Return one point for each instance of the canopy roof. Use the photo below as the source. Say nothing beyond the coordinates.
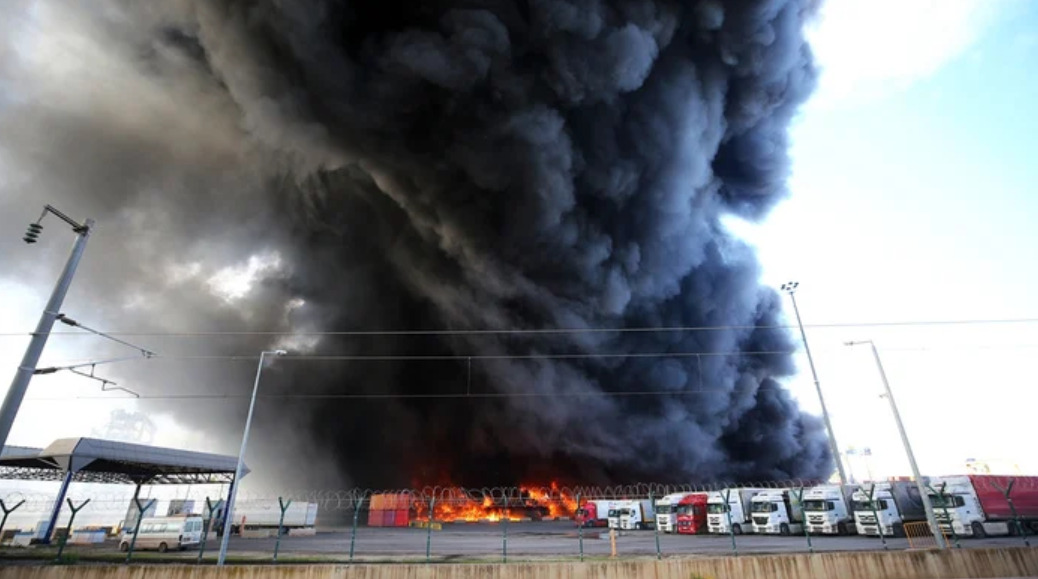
(108, 461)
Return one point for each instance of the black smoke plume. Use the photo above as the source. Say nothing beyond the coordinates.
(441, 165)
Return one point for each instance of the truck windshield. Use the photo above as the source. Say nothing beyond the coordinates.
(815, 506)
(582, 512)
(625, 512)
(663, 509)
(763, 507)
(947, 501)
(687, 510)
(869, 506)
(716, 508)
(614, 513)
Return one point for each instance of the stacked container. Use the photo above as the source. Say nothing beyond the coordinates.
(390, 510)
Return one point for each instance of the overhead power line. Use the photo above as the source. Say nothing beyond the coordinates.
(449, 357)
(549, 331)
(420, 396)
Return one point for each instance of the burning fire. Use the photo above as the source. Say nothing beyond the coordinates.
(534, 502)
(559, 503)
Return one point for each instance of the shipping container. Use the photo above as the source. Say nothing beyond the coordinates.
(403, 518)
(374, 518)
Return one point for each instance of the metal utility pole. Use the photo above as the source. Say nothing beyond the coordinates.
(20, 383)
(228, 515)
(924, 494)
(790, 288)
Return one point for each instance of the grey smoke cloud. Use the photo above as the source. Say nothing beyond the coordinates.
(451, 164)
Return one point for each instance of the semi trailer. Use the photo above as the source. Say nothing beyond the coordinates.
(776, 511)
(892, 505)
(828, 510)
(595, 513)
(667, 512)
(976, 505)
(739, 504)
(637, 514)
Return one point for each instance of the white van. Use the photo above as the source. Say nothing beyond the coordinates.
(165, 533)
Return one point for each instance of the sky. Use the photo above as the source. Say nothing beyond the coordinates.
(911, 200)
(912, 165)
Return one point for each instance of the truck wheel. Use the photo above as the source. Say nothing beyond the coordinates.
(736, 529)
(978, 530)
(163, 547)
(124, 547)
(899, 530)
(784, 529)
(841, 529)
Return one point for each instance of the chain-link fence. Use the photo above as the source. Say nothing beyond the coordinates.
(437, 524)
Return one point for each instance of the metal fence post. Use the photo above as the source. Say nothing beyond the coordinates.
(68, 529)
(137, 527)
(731, 525)
(951, 525)
(428, 534)
(504, 537)
(205, 529)
(655, 525)
(1012, 509)
(7, 511)
(799, 493)
(879, 523)
(353, 535)
(580, 529)
(281, 525)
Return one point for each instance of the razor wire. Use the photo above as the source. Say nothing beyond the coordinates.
(560, 500)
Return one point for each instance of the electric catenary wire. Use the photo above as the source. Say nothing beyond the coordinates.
(545, 331)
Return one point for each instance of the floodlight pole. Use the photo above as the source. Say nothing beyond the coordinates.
(790, 288)
(20, 383)
(228, 515)
(927, 505)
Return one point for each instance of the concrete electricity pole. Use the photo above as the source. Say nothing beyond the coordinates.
(20, 384)
(923, 492)
(790, 288)
(228, 512)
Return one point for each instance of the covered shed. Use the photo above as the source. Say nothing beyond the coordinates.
(108, 461)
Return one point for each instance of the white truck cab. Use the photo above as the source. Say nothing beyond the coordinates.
(667, 512)
(776, 512)
(961, 508)
(828, 510)
(892, 505)
(637, 514)
(717, 513)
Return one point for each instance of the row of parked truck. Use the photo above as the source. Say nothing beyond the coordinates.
(968, 505)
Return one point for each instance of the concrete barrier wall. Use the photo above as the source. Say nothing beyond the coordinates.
(951, 564)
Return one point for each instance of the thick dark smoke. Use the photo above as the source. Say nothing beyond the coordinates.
(451, 164)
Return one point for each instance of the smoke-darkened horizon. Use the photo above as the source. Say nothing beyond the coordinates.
(449, 165)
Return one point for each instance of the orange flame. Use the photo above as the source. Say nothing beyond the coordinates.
(455, 504)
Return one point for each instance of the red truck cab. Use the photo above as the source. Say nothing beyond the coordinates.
(691, 513)
(588, 515)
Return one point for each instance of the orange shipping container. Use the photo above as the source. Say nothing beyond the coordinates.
(376, 502)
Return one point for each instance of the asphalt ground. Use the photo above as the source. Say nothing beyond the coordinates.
(555, 540)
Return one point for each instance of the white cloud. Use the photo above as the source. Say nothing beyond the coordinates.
(871, 48)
